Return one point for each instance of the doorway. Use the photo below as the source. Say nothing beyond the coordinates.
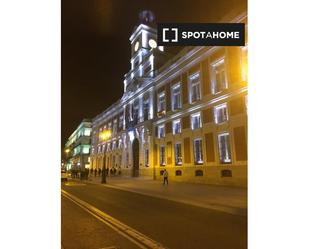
(135, 148)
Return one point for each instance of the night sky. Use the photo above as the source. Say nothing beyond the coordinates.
(95, 47)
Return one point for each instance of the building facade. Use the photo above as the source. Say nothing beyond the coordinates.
(77, 148)
(186, 114)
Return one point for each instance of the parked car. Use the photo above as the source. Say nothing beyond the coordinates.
(64, 175)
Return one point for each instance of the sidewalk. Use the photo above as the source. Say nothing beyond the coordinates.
(231, 200)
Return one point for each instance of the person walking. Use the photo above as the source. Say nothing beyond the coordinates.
(165, 177)
(95, 173)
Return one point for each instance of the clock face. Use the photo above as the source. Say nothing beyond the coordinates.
(152, 43)
(136, 46)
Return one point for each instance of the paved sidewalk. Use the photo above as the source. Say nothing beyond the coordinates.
(231, 200)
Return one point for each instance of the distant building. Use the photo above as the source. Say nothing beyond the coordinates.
(186, 114)
(77, 148)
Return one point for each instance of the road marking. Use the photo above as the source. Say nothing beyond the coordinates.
(141, 240)
(74, 184)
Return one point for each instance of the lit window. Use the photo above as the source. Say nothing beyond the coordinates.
(87, 131)
(196, 121)
(114, 145)
(176, 100)
(195, 88)
(86, 149)
(178, 157)
(219, 79)
(119, 144)
(135, 114)
(146, 109)
(161, 102)
(161, 131)
(224, 148)
(120, 122)
(99, 148)
(115, 126)
(221, 114)
(244, 63)
(162, 155)
(198, 151)
(176, 126)
(146, 157)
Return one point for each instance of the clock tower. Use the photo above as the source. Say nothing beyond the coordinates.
(144, 50)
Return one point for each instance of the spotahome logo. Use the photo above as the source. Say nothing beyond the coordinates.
(201, 34)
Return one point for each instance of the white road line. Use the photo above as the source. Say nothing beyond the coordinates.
(133, 235)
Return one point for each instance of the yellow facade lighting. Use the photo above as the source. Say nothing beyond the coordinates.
(105, 135)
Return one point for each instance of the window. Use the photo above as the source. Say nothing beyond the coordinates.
(219, 79)
(86, 149)
(198, 151)
(196, 121)
(135, 114)
(162, 155)
(244, 63)
(195, 88)
(221, 114)
(87, 131)
(114, 145)
(146, 109)
(178, 173)
(178, 157)
(146, 157)
(176, 101)
(119, 144)
(161, 131)
(224, 148)
(161, 102)
(120, 122)
(176, 127)
(115, 126)
(99, 148)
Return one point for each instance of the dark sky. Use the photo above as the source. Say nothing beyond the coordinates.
(95, 47)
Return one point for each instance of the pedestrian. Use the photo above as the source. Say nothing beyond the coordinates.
(95, 173)
(99, 171)
(165, 177)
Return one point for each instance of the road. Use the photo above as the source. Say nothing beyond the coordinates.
(171, 224)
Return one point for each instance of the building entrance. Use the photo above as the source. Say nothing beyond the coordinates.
(135, 148)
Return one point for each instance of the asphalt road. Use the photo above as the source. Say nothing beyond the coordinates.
(174, 225)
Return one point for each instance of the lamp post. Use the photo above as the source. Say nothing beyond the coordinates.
(67, 151)
(105, 135)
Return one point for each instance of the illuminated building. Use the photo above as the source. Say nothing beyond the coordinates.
(77, 148)
(186, 113)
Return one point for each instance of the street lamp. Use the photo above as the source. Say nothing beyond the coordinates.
(105, 135)
(67, 151)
